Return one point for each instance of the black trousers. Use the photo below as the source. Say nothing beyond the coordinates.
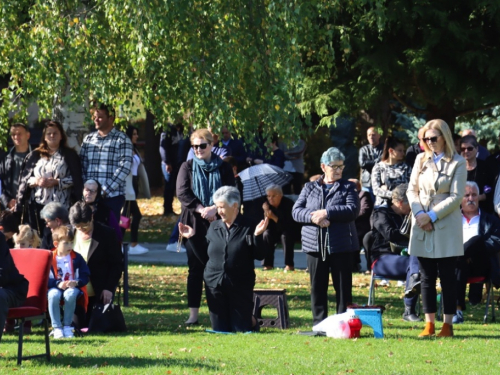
(231, 307)
(475, 262)
(271, 238)
(196, 250)
(169, 189)
(32, 217)
(430, 268)
(296, 183)
(340, 267)
(8, 299)
(131, 209)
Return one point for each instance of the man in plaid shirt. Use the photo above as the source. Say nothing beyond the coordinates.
(107, 157)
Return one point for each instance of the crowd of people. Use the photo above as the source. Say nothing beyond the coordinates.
(77, 206)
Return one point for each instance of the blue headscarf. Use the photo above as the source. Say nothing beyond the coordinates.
(206, 179)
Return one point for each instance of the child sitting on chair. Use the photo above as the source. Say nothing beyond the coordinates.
(69, 274)
(27, 238)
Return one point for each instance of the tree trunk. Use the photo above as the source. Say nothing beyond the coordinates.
(152, 153)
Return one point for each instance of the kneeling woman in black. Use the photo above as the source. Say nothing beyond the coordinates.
(233, 244)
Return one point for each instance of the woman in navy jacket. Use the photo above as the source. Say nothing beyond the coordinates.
(328, 208)
(233, 243)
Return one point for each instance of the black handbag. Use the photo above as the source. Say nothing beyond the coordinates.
(107, 318)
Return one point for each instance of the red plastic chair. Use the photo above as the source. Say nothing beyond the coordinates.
(34, 264)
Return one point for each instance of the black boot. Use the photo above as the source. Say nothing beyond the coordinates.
(413, 288)
(410, 315)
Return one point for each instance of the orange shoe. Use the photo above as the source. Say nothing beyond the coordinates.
(446, 330)
(428, 330)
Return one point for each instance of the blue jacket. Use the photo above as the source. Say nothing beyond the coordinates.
(342, 206)
(80, 270)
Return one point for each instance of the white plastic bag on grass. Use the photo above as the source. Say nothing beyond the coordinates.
(335, 326)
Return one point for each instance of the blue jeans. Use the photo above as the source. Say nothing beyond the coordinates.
(69, 296)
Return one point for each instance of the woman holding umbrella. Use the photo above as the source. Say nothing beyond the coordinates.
(197, 181)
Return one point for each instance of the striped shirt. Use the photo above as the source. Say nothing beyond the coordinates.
(108, 160)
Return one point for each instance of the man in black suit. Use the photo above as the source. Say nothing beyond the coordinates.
(481, 232)
(13, 285)
(282, 228)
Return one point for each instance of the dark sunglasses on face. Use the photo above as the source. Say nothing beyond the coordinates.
(202, 146)
(470, 148)
(431, 139)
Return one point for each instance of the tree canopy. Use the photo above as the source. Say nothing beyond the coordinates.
(230, 62)
(437, 58)
(245, 63)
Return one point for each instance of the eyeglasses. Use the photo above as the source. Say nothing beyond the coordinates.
(431, 139)
(336, 167)
(202, 146)
(84, 226)
(470, 148)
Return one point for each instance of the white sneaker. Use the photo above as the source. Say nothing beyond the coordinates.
(137, 250)
(173, 248)
(58, 333)
(68, 332)
(384, 283)
(401, 283)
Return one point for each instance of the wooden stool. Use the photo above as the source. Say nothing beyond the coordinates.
(275, 298)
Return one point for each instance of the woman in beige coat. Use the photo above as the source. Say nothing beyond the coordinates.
(436, 188)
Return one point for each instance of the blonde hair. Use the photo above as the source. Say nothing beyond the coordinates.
(26, 233)
(202, 134)
(444, 129)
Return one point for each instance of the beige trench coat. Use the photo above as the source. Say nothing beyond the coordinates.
(439, 187)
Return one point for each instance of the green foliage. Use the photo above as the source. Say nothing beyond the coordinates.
(229, 62)
(442, 55)
(486, 126)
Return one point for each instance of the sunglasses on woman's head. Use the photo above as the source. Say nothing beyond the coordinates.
(470, 148)
(202, 146)
(431, 139)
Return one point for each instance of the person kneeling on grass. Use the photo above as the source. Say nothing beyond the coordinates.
(69, 275)
(233, 243)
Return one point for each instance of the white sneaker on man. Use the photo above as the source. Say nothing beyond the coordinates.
(58, 333)
(68, 332)
(173, 248)
(137, 250)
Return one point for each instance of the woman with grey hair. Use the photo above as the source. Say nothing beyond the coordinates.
(55, 214)
(233, 244)
(328, 207)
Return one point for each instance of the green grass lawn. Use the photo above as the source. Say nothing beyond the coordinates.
(157, 342)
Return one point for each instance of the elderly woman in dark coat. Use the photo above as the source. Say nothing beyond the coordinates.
(233, 243)
(98, 245)
(197, 181)
(328, 208)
